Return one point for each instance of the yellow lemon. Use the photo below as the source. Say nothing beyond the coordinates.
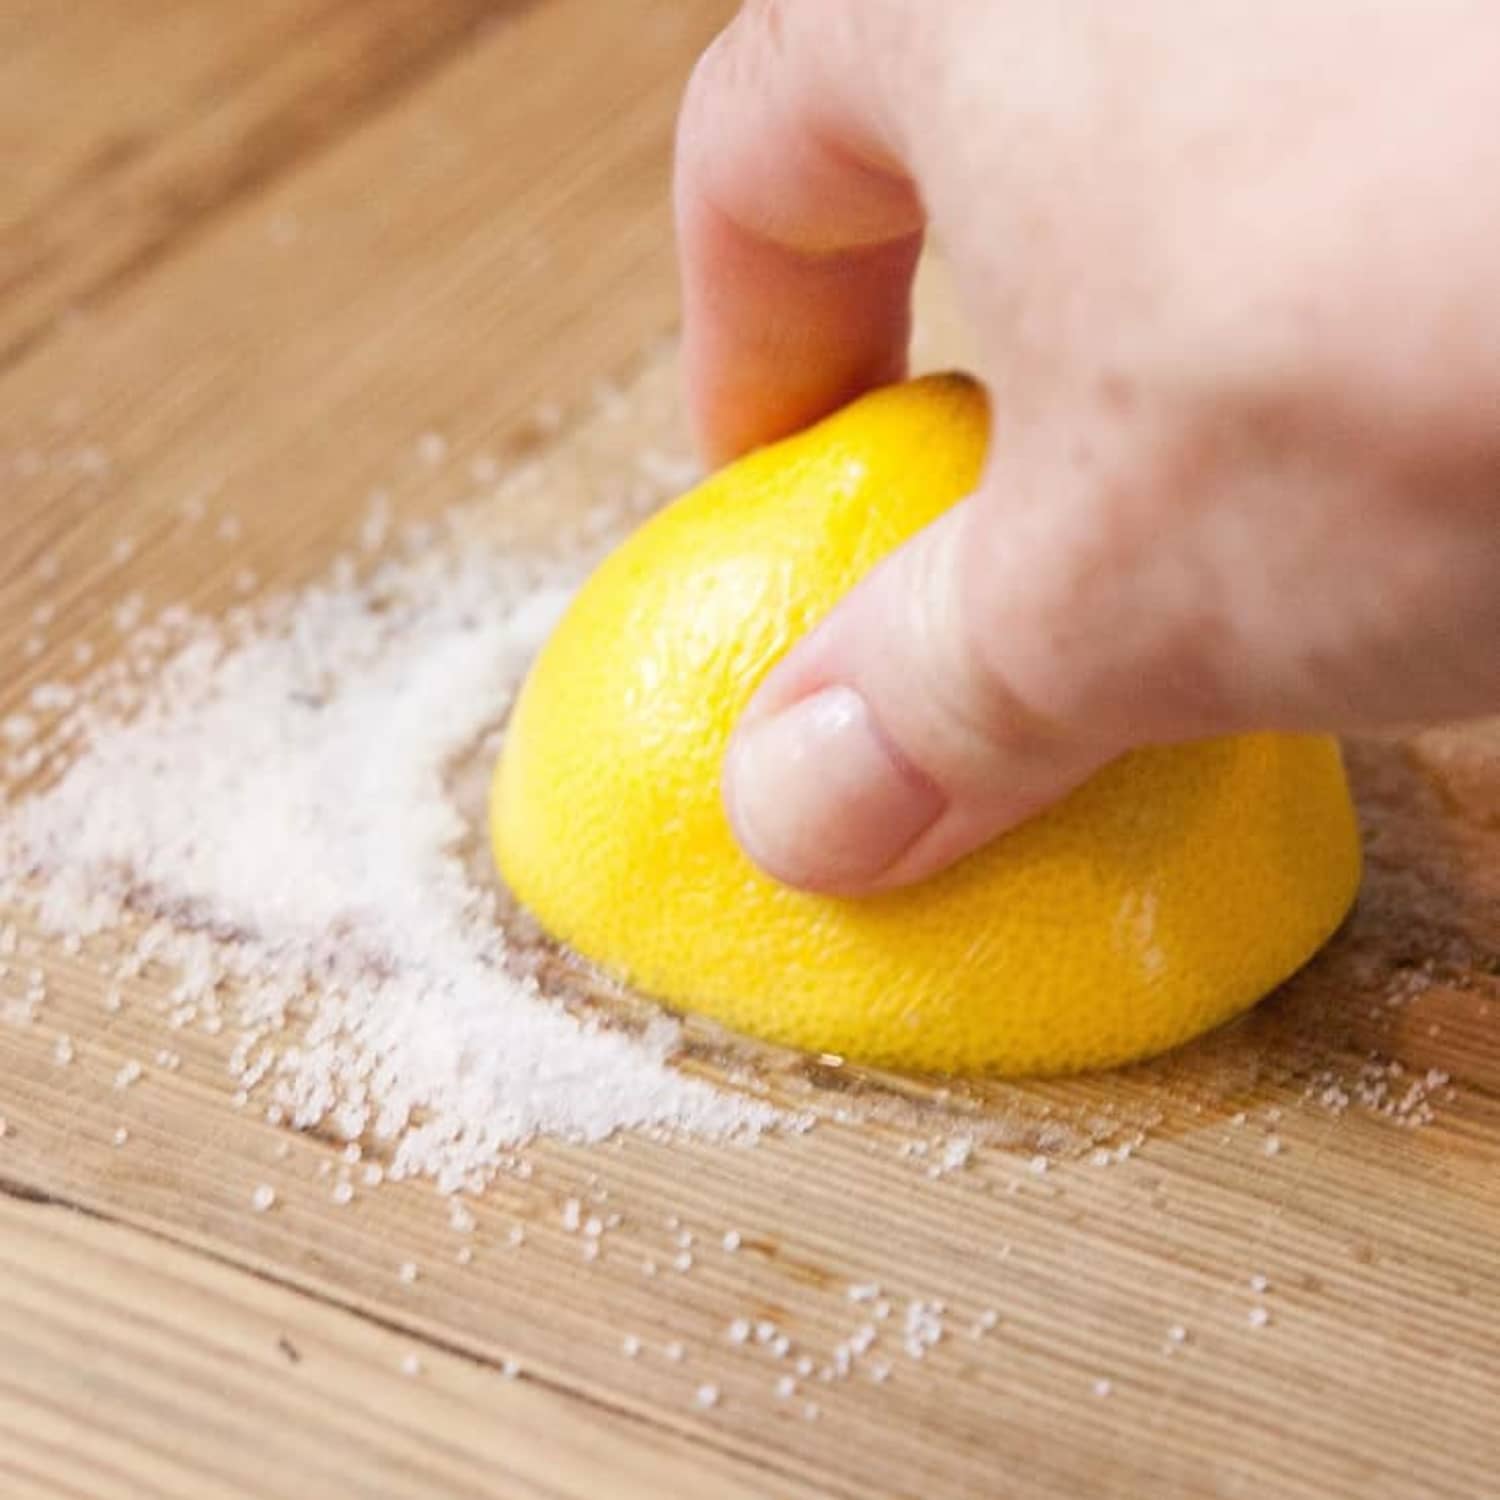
(1164, 896)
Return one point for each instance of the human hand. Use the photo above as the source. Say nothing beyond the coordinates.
(1234, 275)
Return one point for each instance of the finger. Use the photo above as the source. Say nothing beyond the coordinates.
(886, 745)
(798, 230)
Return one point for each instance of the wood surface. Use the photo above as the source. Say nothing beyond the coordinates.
(248, 255)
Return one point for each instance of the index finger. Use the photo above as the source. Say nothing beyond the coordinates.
(798, 229)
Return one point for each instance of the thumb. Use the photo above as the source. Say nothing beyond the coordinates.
(889, 742)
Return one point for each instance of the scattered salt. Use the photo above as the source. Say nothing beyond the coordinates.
(341, 924)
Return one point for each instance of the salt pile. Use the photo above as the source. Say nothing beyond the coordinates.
(262, 807)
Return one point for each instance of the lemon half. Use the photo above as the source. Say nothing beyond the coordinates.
(1164, 896)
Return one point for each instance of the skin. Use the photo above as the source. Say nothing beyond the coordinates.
(1234, 275)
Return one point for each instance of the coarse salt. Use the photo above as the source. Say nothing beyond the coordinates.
(341, 923)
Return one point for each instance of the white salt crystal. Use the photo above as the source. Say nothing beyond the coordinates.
(263, 1198)
(337, 714)
(707, 1395)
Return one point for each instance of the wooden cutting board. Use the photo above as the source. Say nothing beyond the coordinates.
(248, 256)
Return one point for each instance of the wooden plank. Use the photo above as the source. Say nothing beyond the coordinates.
(444, 285)
(1380, 1243)
(460, 263)
(126, 127)
(134, 1369)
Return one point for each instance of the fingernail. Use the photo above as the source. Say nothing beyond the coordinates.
(818, 798)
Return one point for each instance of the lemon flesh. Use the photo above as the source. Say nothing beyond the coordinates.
(1165, 895)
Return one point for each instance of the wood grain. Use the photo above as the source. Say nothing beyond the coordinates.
(136, 1370)
(129, 127)
(496, 239)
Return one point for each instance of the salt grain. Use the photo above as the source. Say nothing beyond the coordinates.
(263, 1198)
(1258, 1317)
(707, 1395)
(356, 942)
